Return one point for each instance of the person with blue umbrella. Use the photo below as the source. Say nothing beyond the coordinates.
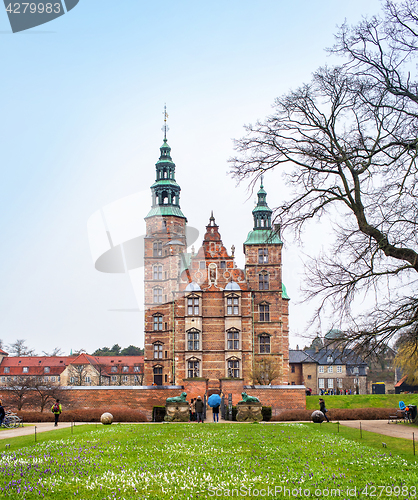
(214, 402)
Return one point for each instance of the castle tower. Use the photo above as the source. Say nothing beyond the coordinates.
(263, 270)
(165, 242)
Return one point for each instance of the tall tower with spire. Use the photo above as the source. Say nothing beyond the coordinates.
(263, 271)
(165, 243)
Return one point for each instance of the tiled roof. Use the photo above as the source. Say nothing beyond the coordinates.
(297, 356)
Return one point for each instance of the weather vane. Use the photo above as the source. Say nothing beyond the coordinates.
(165, 126)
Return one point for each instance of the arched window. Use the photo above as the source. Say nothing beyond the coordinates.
(193, 368)
(158, 272)
(232, 305)
(157, 249)
(158, 295)
(158, 322)
(264, 310)
(233, 368)
(158, 350)
(232, 339)
(193, 340)
(264, 340)
(263, 281)
(193, 305)
(158, 375)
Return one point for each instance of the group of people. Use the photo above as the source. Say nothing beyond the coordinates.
(197, 410)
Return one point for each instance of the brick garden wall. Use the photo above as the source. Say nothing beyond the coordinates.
(145, 397)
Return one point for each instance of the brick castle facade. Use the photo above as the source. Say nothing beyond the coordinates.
(205, 319)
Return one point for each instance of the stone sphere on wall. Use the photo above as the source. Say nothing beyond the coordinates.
(106, 418)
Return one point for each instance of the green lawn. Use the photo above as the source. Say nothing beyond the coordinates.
(362, 401)
(175, 461)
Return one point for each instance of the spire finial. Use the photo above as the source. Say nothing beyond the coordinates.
(262, 180)
(165, 126)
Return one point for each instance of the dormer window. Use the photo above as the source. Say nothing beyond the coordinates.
(25, 369)
(46, 369)
(329, 359)
(6, 369)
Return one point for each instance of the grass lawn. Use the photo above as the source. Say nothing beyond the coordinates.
(175, 461)
(362, 401)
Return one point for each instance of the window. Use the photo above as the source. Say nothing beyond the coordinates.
(46, 379)
(233, 339)
(158, 351)
(292, 369)
(193, 340)
(321, 369)
(87, 380)
(114, 378)
(136, 379)
(125, 378)
(264, 312)
(263, 281)
(158, 295)
(339, 382)
(232, 303)
(263, 256)
(157, 249)
(265, 346)
(72, 380)
(46, 369)
(309, 377)
(330, 383)
(158, 272)
(193, 368)
(158, 375)
(233, 368)
(355, 369)
(25, 369)
(329, 369)
(6, 369)
(292, 383)
(125, 369)
(193, 306)
(53, 379)
(223, 264)
(202, 264)
(339, 369)
(329, 359)
(321, 383)
(136, 369)
(158, 322)
(3, 379)
(114, 369)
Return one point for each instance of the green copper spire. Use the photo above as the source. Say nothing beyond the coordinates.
(165, 190)
(262, 233)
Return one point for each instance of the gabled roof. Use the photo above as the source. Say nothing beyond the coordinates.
(297, 356)
(3, 353)
(345, 357)
(35, 364)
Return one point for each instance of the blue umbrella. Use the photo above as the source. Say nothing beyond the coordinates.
(214, 400)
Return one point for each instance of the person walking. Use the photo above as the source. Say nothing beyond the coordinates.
(56, 410)
(215, 411)
(2, 414)
(199, 409)
(323, 409)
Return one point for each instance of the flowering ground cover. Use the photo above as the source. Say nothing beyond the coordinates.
(176, 461)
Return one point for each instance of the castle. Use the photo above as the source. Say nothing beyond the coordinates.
(205, 319)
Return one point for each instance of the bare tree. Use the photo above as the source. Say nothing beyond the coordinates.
(19, 348)
(57, 351)
(265, 371)
(20, 390)
(45, 392)
(78, 373)
(347, 143)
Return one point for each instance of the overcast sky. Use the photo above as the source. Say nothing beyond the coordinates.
(82, 103)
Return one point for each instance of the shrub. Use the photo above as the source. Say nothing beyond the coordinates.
(266, 412)
(85, 415)
(158, 413)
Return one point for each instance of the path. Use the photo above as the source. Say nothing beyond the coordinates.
(400, 430)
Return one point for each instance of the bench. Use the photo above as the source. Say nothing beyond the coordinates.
(401, 416)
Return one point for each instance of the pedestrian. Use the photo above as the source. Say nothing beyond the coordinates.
(56, 410)
(215, 411)
(323, 409)
(194, 410)
(191, 410)
(199, 409)
(2, 414)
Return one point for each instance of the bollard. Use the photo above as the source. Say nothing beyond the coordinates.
(361, 433)
(338, 426)
(35, 433)
(413, 441)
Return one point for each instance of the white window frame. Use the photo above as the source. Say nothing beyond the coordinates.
(25, 369)
(330, 370)
(321, 383)
(339, 369)
(330, 383)
(321, 369)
